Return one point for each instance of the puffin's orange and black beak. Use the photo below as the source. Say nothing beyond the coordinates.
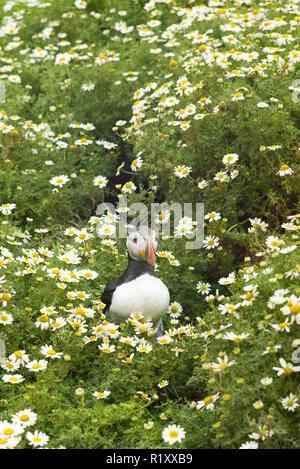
(149, 252)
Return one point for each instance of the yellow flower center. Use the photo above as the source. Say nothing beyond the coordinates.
(5, 297)
(24, 418)
(275, 243)
(173, 434)
(237, 339)
(295, 309)
(222, 366)
(208, 400)
(282, 325)
(19, 354)
(8, 431)
(287, 371)
(44, 318)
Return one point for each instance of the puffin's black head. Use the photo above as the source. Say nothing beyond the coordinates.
(142, 244)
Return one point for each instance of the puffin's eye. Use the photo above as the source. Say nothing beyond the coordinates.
(135, 240)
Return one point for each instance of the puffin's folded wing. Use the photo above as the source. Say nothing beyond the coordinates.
(133, 271)
(108, 292)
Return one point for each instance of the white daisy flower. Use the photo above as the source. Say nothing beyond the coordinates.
(173, 434)
(25, 417)
(290, 402)
(37, 438)
(59, 181)
(208, 402)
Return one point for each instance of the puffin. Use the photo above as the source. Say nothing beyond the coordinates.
(138, 289)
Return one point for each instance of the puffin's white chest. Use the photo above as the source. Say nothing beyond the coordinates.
(146, 294)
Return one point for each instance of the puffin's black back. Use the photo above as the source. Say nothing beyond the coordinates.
(134, 270)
